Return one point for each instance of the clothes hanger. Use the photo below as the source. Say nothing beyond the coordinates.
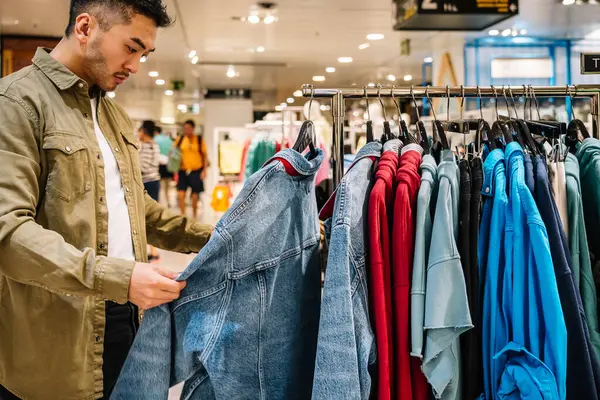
(439, 134)
(387, 132)
(576, 131)
(403, 132)
(512, 123)
(370, 137)
(544, 128)
(499, 130)
(307, 136)
(522, 128)
(484, 132)
(424, 139)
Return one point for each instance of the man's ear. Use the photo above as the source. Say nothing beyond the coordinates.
(83, 27)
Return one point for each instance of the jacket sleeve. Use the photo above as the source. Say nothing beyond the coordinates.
(170, 231)
(32, 254)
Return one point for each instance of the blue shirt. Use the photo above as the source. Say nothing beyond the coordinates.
(165, 143)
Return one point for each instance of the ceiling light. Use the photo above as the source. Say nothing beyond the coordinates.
(269, 19)
(111, 94)
(169, 92)
(260, 49)
(153, 74)
(391, 78)
(330, 70)
(515, 32)
(283, 105)
(192, 54)
(298, 93)
(568, 2)
(195, 60)
(408, 78)
(231, 72)
(506, 32)
(356, 113)
(278, 108)
(167, 120)
(290, 100)
(345, 60)
(428, 60)
(375, 36)
(318, 78)
(494, 32)
(325, 107)
(254, 19)
(143, 59)
(364, 46)
(160, 82)
(523, 32)
(371, 84)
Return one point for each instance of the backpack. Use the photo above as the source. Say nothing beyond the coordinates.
(174, 164)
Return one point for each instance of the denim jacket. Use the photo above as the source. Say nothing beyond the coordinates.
(245, 327)
(346, 344)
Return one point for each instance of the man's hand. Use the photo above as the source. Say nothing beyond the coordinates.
(151, 285)
(203, 174)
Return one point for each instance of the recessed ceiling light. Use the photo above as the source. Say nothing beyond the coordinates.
(153, 74)
(506, 32)
(169, 92)
(345, 60)
(364, 46)
(195, 60)
(167, 120)
(318, 78)
(391, 78)
(143, 59)
(375, 36)
(160, 82)
(192, 54)
(283, 105)
(523, 32)
(494, 32)
(568, 2)
(278, 108)
(269, 19)
(290, 100)
(371, 84)
(408, 78)
(428, 60)
(260, 49)
(254, 19)
(111, 94)
(298, 93)
(330, 70)
(231, 73)
(515, 32)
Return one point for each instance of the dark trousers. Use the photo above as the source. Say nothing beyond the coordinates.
(122, 324)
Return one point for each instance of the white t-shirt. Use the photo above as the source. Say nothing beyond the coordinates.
(120, 242)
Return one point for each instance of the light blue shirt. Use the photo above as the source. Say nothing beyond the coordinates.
(165, 143)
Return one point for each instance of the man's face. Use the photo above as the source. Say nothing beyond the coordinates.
(188, 129)
(110, 57)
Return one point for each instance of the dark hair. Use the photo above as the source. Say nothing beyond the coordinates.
(123, 9)
(190, 122)
(157, 129)
(148, 127)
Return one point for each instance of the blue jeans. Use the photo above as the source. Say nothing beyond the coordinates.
(153, 189)
(246, 325)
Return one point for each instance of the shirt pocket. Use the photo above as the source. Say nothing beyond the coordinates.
(69, 170)
(133, 148)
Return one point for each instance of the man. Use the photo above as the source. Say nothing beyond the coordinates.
(73, 212)
(194, 162)
(165, 143)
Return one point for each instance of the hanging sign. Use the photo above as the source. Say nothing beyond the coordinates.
(458, 15)
(590, 63)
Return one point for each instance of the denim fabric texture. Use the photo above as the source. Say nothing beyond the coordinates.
(446, 305)
(530, 302)
(246, 325)
(426, 202)
(346, 350)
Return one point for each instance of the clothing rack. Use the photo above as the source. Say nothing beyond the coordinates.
(338, 97)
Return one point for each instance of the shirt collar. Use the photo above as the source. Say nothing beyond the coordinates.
(489, 167)
(513, 148)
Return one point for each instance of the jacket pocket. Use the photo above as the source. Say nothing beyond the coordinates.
(133, 148)
(68, 166)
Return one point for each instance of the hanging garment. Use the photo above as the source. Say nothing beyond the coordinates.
(426, 201)
(246, 324)
(530, 301)
(581, 367)
(409, 380)
(346, 344)
(491, 268)
(588, 155)
(446, 304)
(380, 277)
(580, 255)
(559, 191)
(529, 176)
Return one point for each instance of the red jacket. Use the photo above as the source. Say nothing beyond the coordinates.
(408, 182)
(380, 280)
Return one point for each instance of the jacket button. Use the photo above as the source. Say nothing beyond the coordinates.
(86, 115)
(101, 245)
(68, 149)
(101, 199)
(97, 338)
(134, 232)
(117, 149)
(98, 156)
(487, 189)
(127, 189)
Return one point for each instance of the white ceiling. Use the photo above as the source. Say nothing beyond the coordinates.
(309, 36)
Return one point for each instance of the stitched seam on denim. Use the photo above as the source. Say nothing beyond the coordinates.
(261, 286)
(197, 296)
(255, 191)
(212, 340)
(342, 202)
(194, 386)
(359, 267)
(261, 266)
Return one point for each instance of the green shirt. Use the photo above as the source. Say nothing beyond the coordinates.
(54, 271)
(165, 143)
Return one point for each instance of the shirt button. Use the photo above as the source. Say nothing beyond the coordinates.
(101, 199)
(487, 189)
(127, 189)
(98, 156)
(68, 149)
(134, 232)
(80, 85)
(117, 149)
(101, 245)
(86, 115)
(97, 338)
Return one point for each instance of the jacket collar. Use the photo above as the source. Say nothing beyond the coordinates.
(489, 168)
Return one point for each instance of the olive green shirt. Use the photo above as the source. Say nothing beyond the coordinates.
(54, 271)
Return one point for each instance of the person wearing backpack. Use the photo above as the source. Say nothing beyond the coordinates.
(194, 162)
